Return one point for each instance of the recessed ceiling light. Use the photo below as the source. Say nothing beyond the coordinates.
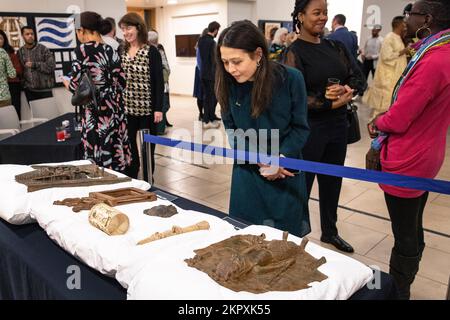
(172, 1)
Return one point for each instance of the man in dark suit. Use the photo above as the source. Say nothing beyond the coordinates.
(341, 33)
(207, 49)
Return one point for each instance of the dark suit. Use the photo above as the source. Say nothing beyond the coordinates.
(349, 39)
(207, 50)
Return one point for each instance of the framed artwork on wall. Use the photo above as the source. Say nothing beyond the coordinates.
(11, 26)
(185, 45)
(56, 31)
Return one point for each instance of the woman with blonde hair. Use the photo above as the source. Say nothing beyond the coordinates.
(278, 44)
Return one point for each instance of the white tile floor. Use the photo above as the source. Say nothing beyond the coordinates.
(370, 235)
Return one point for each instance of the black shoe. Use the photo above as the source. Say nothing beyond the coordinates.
(338, 242)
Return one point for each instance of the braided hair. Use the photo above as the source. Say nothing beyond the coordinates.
(300, 6)
(440, 10)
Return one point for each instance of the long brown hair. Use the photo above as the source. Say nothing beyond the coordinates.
(134, 19)
(246, 36)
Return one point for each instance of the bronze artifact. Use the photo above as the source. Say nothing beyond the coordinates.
(78, 204)
(112, 198)
(109, 220)
(44, 177)
(250, 263)
(161, 211)
(203, 225)
(123, 196)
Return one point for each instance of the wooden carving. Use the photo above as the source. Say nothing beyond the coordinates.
(250, 263)
(78, 204)
(161, 211)
(203, 225)
(44, 177)
(112, 198)
(123, 196)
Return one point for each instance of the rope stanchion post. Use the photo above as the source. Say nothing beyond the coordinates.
(146, 159)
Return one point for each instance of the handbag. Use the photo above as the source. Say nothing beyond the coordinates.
(373, 161)
(86, 93)
(354, 133)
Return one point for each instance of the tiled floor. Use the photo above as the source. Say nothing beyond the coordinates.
(370, 234)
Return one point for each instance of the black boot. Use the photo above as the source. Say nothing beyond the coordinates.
(404, 270)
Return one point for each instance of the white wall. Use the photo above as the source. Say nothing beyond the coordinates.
(241, 10)
(48, 6)
(186, 19)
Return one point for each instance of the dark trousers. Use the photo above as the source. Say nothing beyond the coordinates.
(407, 226)
(36, 95)
(209, 101)
(327, 143)
(369, 67)
(200, 108)
(136, 123)
(15, 89)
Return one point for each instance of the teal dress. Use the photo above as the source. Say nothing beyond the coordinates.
(282, 203)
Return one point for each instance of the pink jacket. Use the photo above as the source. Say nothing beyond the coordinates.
(417, 122)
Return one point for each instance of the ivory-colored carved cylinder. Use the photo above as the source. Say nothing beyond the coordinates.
(110, 220)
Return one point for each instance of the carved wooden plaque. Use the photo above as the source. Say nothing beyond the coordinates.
(44, 177)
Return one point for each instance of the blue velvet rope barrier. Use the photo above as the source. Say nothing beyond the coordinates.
(438, 186)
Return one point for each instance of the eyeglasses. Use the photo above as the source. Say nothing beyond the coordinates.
(411, 13)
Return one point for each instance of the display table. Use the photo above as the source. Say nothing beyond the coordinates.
(33, 267)
(39, 145)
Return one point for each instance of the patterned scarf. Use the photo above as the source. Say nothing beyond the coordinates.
(421, 48)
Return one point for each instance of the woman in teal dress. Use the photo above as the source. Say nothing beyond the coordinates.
(255, 93)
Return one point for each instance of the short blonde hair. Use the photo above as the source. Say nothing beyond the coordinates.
(278, 34)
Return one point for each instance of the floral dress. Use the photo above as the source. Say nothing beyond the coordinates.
(104, 128)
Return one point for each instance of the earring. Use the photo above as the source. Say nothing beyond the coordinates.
(258, 64)
(423, 28)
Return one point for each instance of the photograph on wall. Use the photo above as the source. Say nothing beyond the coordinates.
(56, 33)
(11, 26)
(269, 26)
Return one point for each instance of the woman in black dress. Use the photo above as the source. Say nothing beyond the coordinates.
(321, 61)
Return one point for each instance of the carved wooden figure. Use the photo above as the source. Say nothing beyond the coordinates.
(203, 225)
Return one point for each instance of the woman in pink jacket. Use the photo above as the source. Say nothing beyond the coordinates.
(416, 128)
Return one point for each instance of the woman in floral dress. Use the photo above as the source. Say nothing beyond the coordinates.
(104, 127)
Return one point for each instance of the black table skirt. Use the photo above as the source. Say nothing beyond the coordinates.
(39, 145)
(34, 267)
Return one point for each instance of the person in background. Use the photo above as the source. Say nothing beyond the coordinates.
(341, 33)
(416, 127)
(259, 94)
(207, 48)
(104, 133)
(144, 92)
(112, 39)
(39, 67)
(371, 51)
(278, 44)
(292, 36)
(390, 66)
(153, 40)
(6, 71)
(323, 63)
(198, 93)
(13, 83)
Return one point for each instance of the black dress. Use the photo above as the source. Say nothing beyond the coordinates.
(327, 142)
